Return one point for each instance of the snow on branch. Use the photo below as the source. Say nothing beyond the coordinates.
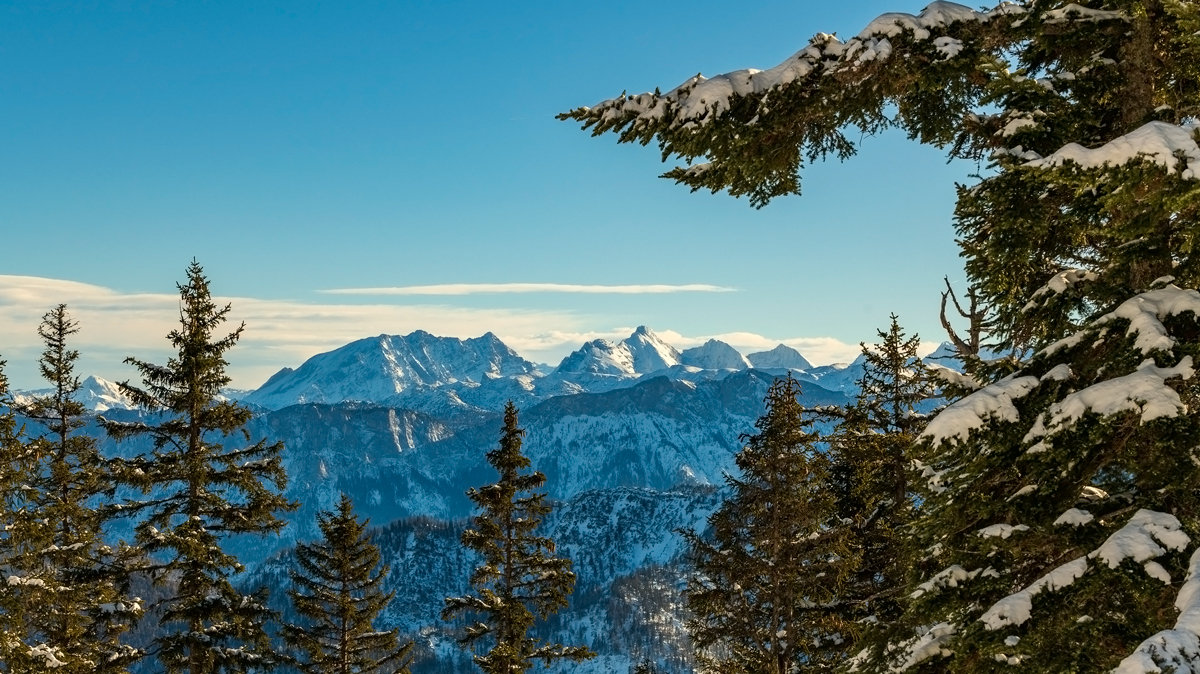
(970, 413)
(1156, 141)
(700, 100)
(1143, 390)
(1059, 284)
(1178, 649)
(1077, 13)
(1147, 535)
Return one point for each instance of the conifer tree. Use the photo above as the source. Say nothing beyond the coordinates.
(520, 579)
(871, 450)
(73, 586)
(337, 587)
(766, 585)
(201, 491)
(1059, 522)
(14, 465)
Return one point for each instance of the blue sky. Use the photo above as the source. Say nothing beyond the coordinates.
(300, 147)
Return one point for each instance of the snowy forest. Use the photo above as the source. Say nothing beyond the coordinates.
(1031, 502)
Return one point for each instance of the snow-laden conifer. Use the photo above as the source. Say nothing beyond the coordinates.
(768, 579)
(1059, 518)
(336, 587)
(519, 579)
(203, 482)
(72, 587)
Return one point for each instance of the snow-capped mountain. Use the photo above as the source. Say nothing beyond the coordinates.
(416, 368)
(640, 353)
(95, 393)
(715, 355)
(782, 357)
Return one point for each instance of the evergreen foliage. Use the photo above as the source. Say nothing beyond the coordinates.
(519, 579)
(14, 464)
(337, 587)
(71, 585)
(200, 492)
(766, 585)
(871, 450)
(1059, 519)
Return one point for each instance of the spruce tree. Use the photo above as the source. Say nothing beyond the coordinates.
(1059, 522)
(201, 491)
(15, 462)
(336, 585)
(520, 579)
(72, 585)
(872, 454)
(766, 585)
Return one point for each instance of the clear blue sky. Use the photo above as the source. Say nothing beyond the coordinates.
(297, 147)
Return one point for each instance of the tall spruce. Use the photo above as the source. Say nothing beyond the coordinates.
(15, 463)
(1059, 521)
(336, 585)
(519, 579)
(73, 587)
(767, 583)
(206, 481)
(872, 452)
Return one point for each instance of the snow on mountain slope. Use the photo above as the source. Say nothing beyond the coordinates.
(383, 369)
(836, 377)
(781, 357)
(96, 394)
(640, 353)
(715, 355)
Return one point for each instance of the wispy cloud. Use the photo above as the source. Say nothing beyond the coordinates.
(493, 288)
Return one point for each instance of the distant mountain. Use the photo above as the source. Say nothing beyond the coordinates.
(781, 357)
(715, 355)
(640, 353)
(417, 370)
(96, 394)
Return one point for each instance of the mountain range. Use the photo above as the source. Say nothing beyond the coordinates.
(635, 437)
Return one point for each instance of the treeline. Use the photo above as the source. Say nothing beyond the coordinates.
(808, 547)
(69, 597)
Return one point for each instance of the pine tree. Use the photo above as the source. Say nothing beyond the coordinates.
(72, 585)
(766, 585)
(871, 451)
(519, 580)
(336, 586)
(1058, 510)
(201, 492)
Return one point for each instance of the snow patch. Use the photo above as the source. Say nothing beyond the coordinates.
(1157, 141)
(1142, 391)
(970, 413)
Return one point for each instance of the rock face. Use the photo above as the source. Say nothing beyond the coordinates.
(782, 357)
(715, 355)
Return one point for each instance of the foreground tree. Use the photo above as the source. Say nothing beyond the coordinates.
(520, 579)
(15, 460)
(337, 587)
(766, 584)
(200, 493)
(71, 586)
(1059, 511)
